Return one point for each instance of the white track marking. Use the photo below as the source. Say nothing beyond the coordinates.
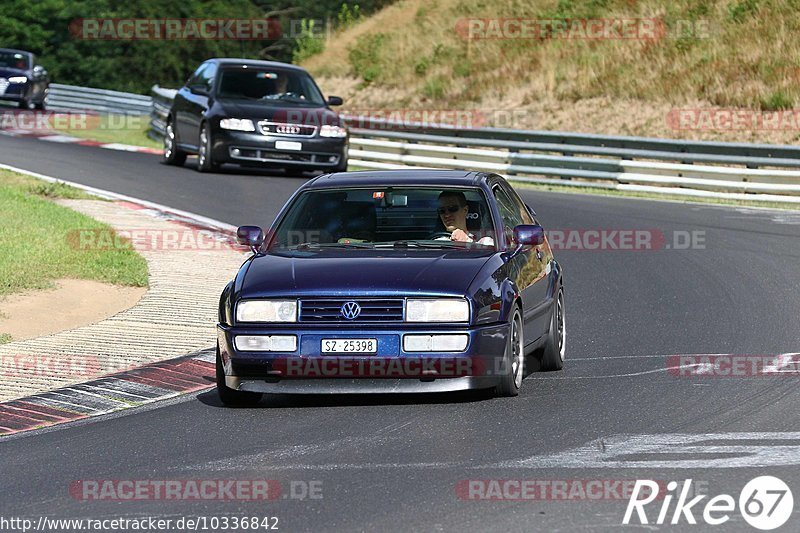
(718, 450)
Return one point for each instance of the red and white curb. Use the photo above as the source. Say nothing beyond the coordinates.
(109, 394)
(58, 138)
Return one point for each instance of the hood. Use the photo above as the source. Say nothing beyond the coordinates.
(6, 72)
(363, 272)
(312, 116)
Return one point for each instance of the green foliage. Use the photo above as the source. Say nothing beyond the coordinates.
(741, 10)
(775, 101)
(434, 88)
(365, 56)
(51, 29)
(308, 43)
(348, 16)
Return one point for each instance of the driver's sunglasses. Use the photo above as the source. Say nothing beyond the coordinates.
(449, 209)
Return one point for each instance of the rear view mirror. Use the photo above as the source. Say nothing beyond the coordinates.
(251, 236)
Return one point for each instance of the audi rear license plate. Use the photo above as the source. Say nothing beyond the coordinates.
(349, 345)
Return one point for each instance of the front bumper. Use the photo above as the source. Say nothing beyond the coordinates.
(391, 369)
(12, 91)
(256, 149)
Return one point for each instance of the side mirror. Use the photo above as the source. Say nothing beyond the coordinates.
(251, 236)
(524, 235)
(198, 89)
(528, 235)
(335, 100)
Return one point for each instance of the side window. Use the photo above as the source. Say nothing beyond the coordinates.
(196, 78)
(508, 211)
(523, 211)
(208, 76)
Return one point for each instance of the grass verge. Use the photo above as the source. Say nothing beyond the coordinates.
(120, 129)
(34, 237)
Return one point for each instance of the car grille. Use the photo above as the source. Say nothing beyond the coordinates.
(372, 310)
(284, 128)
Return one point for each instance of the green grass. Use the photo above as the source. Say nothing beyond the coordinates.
(4, 338)
(37, 244)
(111, 129)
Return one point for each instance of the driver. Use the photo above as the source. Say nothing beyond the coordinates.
(453, 209)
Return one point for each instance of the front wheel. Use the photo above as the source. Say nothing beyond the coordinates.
(229, 396)
(513, 366)
(172, 155)
(342, 166)
(205, 162)
(555, 344)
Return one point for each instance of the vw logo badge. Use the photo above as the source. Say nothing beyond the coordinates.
(350, 310)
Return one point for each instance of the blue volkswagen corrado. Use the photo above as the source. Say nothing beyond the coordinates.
(392, 281)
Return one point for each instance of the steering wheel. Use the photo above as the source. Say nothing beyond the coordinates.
(439, 234)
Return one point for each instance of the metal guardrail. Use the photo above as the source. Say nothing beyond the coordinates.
(663, 166)
(73, 98)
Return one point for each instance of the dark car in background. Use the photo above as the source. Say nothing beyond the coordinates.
(363, 286)
(22, 80)
(255, 113)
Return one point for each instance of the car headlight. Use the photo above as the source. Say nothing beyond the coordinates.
(442, 310)
(266, 311)
(332, 131)
(265, 343)
(237, 124)
(17, 79)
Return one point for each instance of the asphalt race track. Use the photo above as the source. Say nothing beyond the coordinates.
(372, 463)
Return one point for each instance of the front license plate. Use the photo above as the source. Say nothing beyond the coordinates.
(349, 345)
(288, 145)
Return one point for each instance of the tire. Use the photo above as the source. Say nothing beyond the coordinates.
(205, 163)
(342, 166)
(555, 345)
(514, 358)
(172, 155)
(26, 104)
(230, 397)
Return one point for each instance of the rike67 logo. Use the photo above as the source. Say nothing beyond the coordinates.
(765, 503)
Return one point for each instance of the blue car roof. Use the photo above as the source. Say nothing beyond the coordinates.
(385, 178)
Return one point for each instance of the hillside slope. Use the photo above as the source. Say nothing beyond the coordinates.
(706, 54)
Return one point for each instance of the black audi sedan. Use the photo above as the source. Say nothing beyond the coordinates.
(392, 281)
(22, 80)
(255, 113)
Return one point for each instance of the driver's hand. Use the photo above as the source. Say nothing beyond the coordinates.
(459, 235)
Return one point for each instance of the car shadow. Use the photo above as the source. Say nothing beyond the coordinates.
(293, 401)
(234, 170)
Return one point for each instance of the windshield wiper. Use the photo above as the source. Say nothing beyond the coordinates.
(423, 244)
(309, 245)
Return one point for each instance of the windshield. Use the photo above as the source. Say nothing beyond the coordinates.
(387, 217)
(269, 86)
(14, 60)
